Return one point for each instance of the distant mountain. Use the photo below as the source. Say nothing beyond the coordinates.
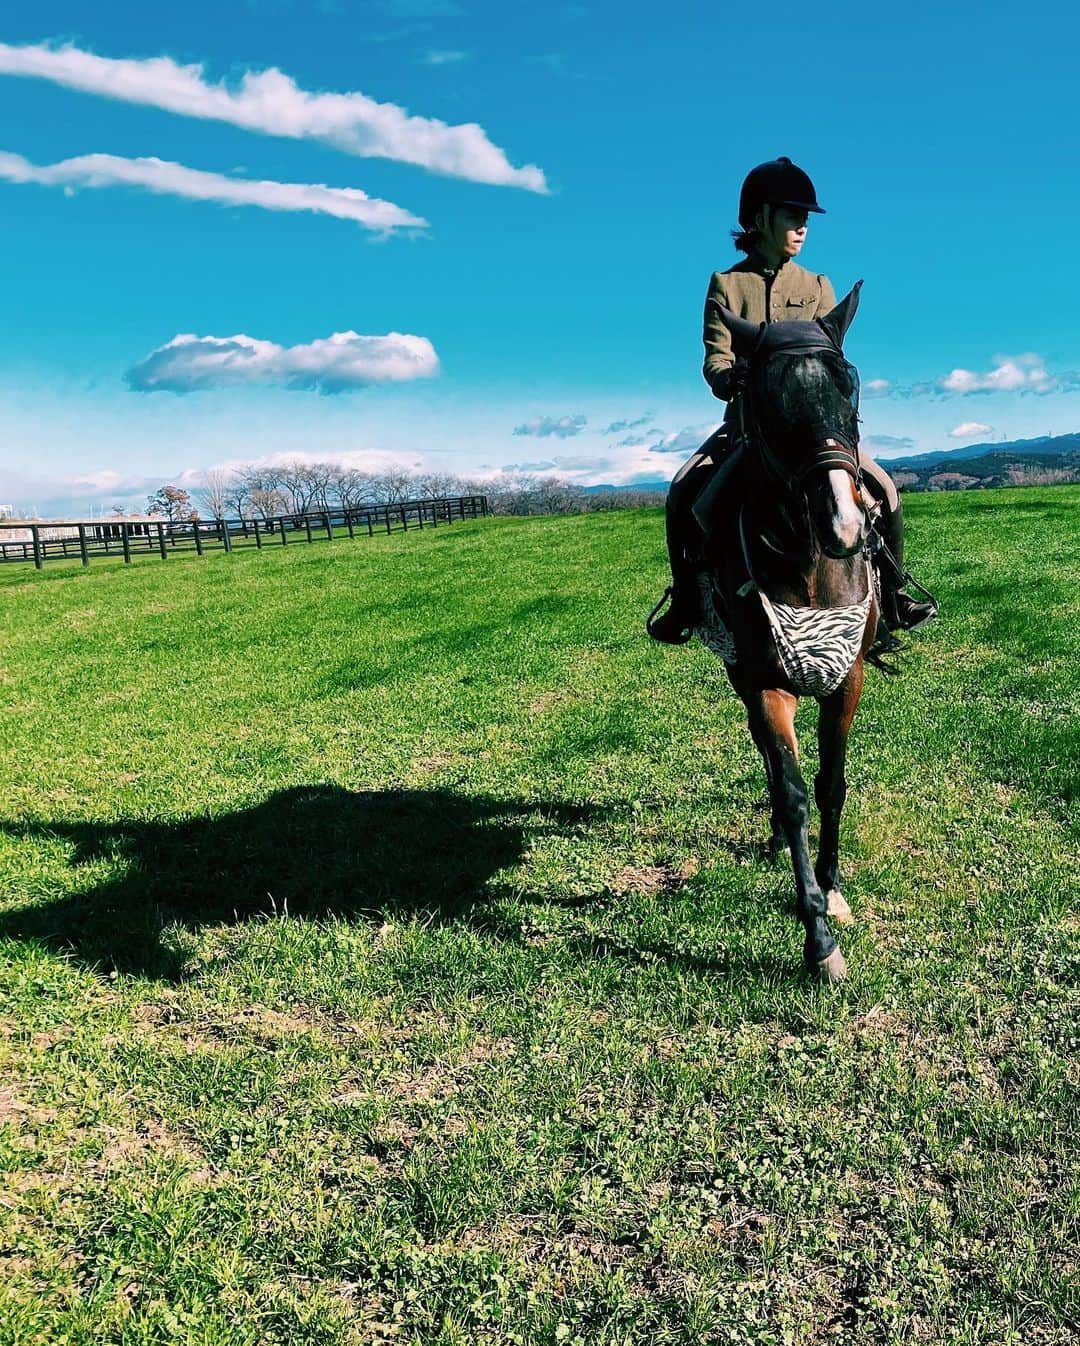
(1046, 446)
(658, 485)
(1017, 462)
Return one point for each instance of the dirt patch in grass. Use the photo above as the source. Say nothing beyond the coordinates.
(255, 1024)
(649, 879)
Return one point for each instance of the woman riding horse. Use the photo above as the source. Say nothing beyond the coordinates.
(768, 286)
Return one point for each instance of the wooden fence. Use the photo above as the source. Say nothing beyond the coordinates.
(86, 538)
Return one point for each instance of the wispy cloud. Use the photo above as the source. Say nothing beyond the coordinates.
(444, 57)
(544, 426)
(336, 364)
(888, 443)
(574, 467)
(968, 429)
(269, 101)
(617, 427)
(538, 465)
(876, 388)
(163, 178)
(684, 441)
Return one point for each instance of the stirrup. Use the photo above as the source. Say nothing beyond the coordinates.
(654, 624)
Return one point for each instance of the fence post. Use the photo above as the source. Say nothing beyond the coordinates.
(370, 525)
(35, 533)
(226, 536)
(198, 538)
(329, 530)
(125, 538)
(307, 526)
(83, 553)
(284, 539)
(349, 523)
(258, 535)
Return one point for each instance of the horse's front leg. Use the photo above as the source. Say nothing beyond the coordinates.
(772, 723)
(830, 786)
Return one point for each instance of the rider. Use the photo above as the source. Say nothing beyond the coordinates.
(767, 286)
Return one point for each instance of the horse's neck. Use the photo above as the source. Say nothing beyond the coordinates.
(776, 538)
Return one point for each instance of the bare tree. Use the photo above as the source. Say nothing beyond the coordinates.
(262, 490)
(437, 485)
(295, 484)
(215, 494)
(266, 502)
(236, 497)
(394, 484)
(352, 487)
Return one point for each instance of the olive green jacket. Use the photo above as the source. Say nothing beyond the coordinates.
(792, 292)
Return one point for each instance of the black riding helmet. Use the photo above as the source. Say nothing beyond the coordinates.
(776, 183)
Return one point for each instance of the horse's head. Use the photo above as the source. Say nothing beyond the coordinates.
(801, 417)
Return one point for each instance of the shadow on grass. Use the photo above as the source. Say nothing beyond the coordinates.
(310, 850)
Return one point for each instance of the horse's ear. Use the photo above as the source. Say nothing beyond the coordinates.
(744, 334)
(837, 321)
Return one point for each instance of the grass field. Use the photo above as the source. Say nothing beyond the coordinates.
(385, 957)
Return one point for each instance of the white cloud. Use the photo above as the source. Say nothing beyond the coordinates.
(876, 388)
(270, 102)
(685, 441)
(444, 57)
(967, 429)
(1017, 373)
(169, 179)
(335, 364)
(617, 427)
(888, 443)
(545, 426)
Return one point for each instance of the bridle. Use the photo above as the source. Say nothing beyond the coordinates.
(831, 453)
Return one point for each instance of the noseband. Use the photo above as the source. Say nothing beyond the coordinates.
(828, 457)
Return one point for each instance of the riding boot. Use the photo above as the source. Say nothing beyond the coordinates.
(900, 611)
(676, 625)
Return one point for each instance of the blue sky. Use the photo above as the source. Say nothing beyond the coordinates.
(555, 288)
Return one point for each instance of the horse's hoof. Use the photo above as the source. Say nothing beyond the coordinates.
(832, 969)
(838, 909)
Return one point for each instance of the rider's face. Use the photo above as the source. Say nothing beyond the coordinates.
(784, 229)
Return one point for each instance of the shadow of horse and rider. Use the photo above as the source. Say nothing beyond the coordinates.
(308, 851)
(317, 851)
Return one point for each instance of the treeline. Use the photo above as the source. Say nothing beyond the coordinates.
(265, 492)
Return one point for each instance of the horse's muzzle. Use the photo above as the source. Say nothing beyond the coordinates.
(839, 517)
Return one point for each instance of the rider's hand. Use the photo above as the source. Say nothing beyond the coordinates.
(739, 376)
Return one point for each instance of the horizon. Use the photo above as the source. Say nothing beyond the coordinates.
(415, 234)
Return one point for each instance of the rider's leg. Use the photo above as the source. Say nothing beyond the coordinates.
(899, 610)
(676, 624)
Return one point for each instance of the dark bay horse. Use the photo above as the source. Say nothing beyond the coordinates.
(788, 595)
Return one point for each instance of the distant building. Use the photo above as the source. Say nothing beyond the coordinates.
(6, 511)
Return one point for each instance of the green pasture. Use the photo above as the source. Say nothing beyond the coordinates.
(386, 956)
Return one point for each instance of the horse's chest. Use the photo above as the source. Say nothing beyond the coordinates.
(816, 647)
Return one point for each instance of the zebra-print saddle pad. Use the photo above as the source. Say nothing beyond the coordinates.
(817, 646)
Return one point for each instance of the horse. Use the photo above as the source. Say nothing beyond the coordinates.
(788, 591)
